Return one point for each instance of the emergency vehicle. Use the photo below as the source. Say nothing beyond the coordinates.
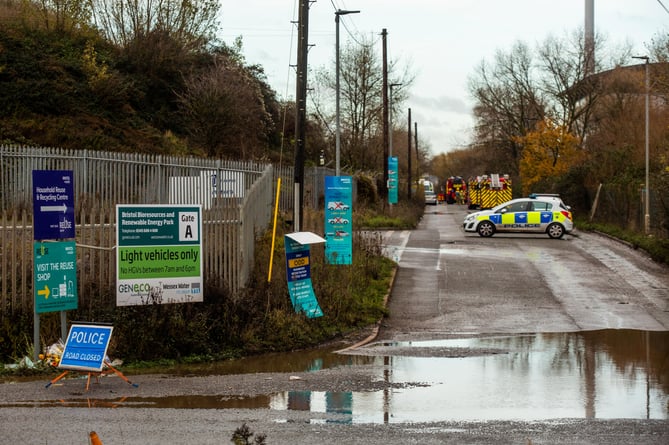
(486, 192)
(534, 214)
(456, 190)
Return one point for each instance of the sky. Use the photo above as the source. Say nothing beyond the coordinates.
(441, 41)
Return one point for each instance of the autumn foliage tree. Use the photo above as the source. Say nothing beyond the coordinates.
(548, 153)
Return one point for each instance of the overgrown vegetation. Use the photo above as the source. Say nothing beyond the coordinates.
(260, 319)
(139, 80)
(657, 248)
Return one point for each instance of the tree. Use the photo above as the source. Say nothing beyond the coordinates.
(64, 15)
(361, 104)
(509, 103)
(225, 110)
(549, 153)
(192, 23)
(569, 91)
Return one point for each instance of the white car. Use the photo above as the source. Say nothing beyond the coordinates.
(430, 198)
(534, 214)
(337, 205)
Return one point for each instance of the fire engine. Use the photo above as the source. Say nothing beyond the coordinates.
(485, 192)
(456, 190)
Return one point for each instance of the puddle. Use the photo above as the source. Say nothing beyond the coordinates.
(598, 374)
(301, 361)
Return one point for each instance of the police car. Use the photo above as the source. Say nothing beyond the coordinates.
(534, 214)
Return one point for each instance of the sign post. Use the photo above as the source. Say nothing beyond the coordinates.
(86, 348)
(86, 351)
(53, 219)
(55, 276)
(53, 204)
(159, 254)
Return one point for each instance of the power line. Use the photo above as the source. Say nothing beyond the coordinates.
(663, 7)
(355, 34)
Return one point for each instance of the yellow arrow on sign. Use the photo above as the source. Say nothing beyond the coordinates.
(44, 292)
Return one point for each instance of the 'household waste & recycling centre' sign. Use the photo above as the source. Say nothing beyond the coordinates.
(159, 254)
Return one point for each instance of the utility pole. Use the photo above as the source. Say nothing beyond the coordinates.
(415, 143)
(301, 112)
(338, 12)
(646, 219)
(409, 159)
(390, 117)
(384, 193)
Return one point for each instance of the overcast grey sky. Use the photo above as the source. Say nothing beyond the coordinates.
(443, 41)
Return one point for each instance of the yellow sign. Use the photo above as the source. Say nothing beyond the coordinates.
(298, 262)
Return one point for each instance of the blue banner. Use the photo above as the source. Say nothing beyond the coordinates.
(393, 178)
(298, 272)
(338, 219)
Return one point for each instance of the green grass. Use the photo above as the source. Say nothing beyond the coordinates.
(657, 248)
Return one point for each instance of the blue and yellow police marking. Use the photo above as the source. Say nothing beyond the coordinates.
(523, 218)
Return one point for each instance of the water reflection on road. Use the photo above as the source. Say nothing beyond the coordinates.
(597, 374)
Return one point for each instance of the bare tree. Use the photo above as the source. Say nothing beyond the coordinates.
(571, 92)
(361, 87)
(192, 23)
(509, 103)
(225, 110)
(64, 15)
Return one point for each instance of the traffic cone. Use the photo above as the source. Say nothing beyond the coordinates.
(95, 440)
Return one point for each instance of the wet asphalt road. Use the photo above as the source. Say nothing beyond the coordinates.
(513, 283)
(449, 285)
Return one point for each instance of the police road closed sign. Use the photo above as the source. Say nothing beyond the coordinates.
(159, 254)
(86, 348)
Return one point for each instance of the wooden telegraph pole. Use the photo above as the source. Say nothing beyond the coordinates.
(301, 112)
(386, 139)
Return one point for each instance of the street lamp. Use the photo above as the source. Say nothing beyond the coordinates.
(646, 220)
(338, 12)
(390, 118)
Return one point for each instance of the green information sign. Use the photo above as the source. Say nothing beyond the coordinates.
(159, 254)
(55, 276)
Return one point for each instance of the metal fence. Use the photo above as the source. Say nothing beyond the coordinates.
(236, 197)
(623, 205)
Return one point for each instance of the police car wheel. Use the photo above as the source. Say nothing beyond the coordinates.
(485, 229)
(555, 231)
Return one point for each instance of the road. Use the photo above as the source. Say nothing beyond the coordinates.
(449, 285)
(513, 283)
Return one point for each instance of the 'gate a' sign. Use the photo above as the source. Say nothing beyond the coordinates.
(159, 254)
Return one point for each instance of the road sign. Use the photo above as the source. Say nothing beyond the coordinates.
(55, 276)
(159, 254)
(53, 204)
(86, 347)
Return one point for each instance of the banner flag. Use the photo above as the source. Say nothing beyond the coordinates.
(338, 219)
(298, 271)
